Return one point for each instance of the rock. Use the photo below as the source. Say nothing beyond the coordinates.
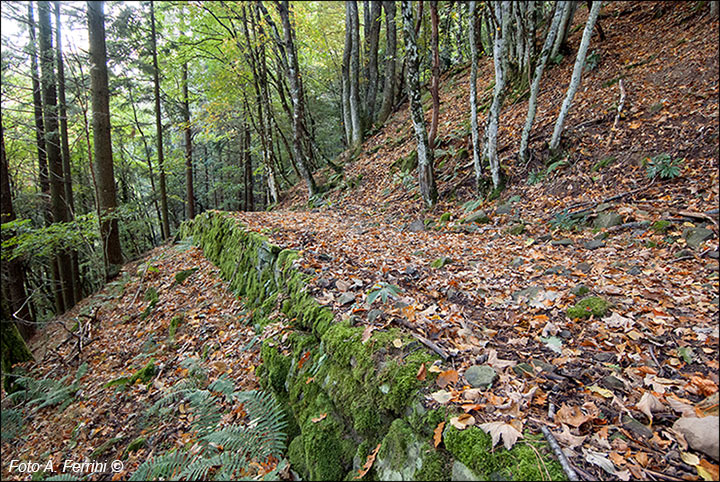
(635, 271)
(460, 472)
(695, 236)
(580, 290)
(683, 253)
(480, 376)
(545, 367)
(374, 314)
(584, 267)
(563, 242)
(605, 357)
(612, 383)
(479, 217)
(346, 298)
(607, 220)
(516, 261)
(504, 209)
(713, 254)
(524, 370)
(594, 244)
(529, 293)
(701, 434)
(603, 207)
(556, 270)
(516, 229)
(544, 237)
(636, 427)
(417, 226)
(411, 270)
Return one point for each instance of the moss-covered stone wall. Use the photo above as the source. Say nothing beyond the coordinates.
(342, 397)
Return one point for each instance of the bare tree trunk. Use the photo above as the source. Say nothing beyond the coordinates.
(188, 146)
(502, 13)
(577, 74)
(714, 8)
(158, 126)
(390, 53)
(372, 30)
(104, 171)
(477, 153)
(426, 176)
(355, 106)
(535, 87)
(247, 164)
(65, 151)
(568, 13)
(435, 85)
(52, 143)
(347, 120)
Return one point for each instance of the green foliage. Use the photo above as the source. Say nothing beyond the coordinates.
(660, 226)
(441, 262)
(565, 221)
(603, 163)
(383, 291)
(593, 60)
(220, 451)
(664, 166)
(181, 276)
(536, 176)
(11, 423)
(590, 306)
(472, 205)
(46, 392)
(45, 241)
(555, 165)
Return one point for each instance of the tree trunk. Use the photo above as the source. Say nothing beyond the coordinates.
(426, 176)
(104, 171)
(188, 146)
(295, 94)
(13, 274)
(576, 75)
(714, 8)
(566, 22)
(52, 143)
(372, 30)
(158, 127)
(535, 87)
(355, 107)
(347, 120)
(502, 13)
(390, 53)
(435, 85)
(65, 151)
(249, 203)
(477, 153)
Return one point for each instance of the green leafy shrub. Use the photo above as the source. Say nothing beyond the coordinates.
(564, 221)
(536, 176)
(664, 166)
(383, 291)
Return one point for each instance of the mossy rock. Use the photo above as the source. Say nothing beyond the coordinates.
(405, 456)
(473, 448)
(590, 306)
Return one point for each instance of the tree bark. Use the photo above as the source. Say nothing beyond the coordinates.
(535, 87)
(104, 171)
(347, 120)
(426, 176)
(65, 151)
(477, 153)
(158, 127)
(188, 146)
(355, 106)
(372, 30)
(390, 54)
(52, 143)
(435, 85)
(577, 74)
(568, 13)
(247, 165)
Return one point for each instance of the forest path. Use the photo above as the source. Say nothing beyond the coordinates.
(212, 338)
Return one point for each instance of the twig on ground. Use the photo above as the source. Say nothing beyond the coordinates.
(564, 462)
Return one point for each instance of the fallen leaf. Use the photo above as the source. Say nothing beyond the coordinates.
(367, 333)
(437, 434)
(707, 470)
(567, 438)
(422, 373)
(571, 415)
(503, 430)
(368, 463)
(680, 405)
(649, 403)
(461, 422)
(447, 377)
(441, 396)
(317, 419)
(601, 461)
(303, 359)
(497, 363)
(435, 369)
(397, 343)
(690, 459)
(603, 392)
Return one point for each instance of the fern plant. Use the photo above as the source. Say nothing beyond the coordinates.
(218, 452)
(664, 166)
(47, 392)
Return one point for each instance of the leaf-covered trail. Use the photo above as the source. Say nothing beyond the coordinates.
(213, 337)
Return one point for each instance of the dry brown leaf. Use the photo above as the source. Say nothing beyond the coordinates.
(496, 362)
(708, 470)
(447, 377)
(367, 333)
(422, 373)
(648, 404)
(568, 439)
(498, 430)
(461, 422)
(680, 405)
(317, 419)
(368, 463)
(437, 434)
(571, 415)
(441, 396)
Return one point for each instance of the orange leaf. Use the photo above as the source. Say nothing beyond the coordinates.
(437, 434)
(368, 463)
(317, 419)
(447, 377)
(303, 359)
(421, 373)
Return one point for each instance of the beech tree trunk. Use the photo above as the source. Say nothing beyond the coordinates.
(372, 29)
(347, 120)
(355, 106)
(576, 75)
(104, 171)
(52, 143)
(476, 149)
(188, 146)
(426, 176)
(435, 85)
(566, 22)
(158, 126)
(535, 87)
(390, 53)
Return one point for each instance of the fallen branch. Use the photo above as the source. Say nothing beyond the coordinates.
(634, 224)
(564, 462)
(432, 345)
(619, 111)
(611, 198)
(694, 215)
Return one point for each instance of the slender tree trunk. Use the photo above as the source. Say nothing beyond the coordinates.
(576, 75)
(295, 94)
(347, 120)
(372, 30)
(13, 274)
(390, 53)
(355, 106)
(104, 171)
(566, 22)
(714, 9)
(247, 162)
(477, 151)
(426, 176)
(52, 143)
(502, 13)
(65, 151)
(158, 127)
(435, 85)
(535, 87)
(188, 146)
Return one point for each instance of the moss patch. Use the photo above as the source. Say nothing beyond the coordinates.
(590, 306)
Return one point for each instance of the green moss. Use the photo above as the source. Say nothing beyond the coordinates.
(590, 306)
(296, 456)
(277, 366)
(435, 465)
(135, 445)
(445, 217)
(402, 381)
(660, 226)
(473, 447)
(327, 453)
(395, 444)
(174, 323)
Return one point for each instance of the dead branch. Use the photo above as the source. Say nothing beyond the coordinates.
(564, 462)
(595, 203)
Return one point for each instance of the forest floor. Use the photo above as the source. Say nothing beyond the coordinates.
(483, 293)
